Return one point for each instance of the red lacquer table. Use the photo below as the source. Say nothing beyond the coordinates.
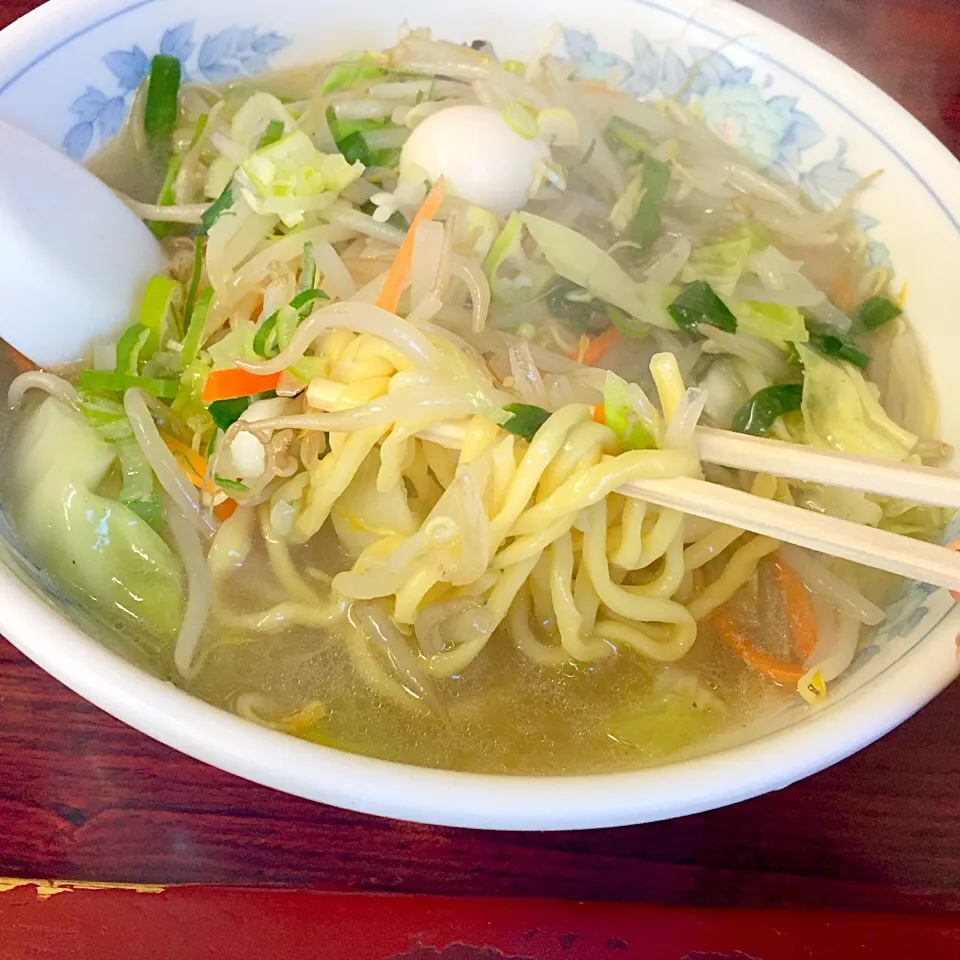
(84, 798)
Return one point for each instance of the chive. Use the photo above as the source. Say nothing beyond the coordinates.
(119, 382)
(227, 412)
(874, 312)
(696, 304)
(830, 345)
(217, 209)
(160, 110)
(758, 415)
(647, 226)
(629, 326)
(272, 134)
(524, 419)
(577, 312)
(231, 484)
(193, 339)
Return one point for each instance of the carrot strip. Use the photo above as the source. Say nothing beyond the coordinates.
(598, 347)
(599, 414)
(734, 637)
(224, 511)
(232, 383)
(803, 621)
(194, 465)
(396, 280)
(842, 291)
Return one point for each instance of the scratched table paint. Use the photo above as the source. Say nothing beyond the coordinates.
(84, 797)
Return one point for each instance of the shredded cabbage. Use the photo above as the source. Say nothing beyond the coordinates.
(769, 321)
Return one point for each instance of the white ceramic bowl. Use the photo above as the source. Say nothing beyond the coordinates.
(68, 71)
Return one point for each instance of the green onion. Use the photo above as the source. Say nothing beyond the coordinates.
(129, 347)
(354, 147)
(272, 134)
(838, 348)
(524, 419)
(191, 301)
(217, 209)
(162, 228)
(265, 337)
(874, 312)
(647, 226)
(119, 382)
(698, 304)
(348, 135)
(227, 412)
(160, 111)
(193, 339)
(306, 297)
(308, 274)
(620, 131)
(629, 326)
(349, 74)
(758, 415)
(231, 484)
(158, 307)
(576, 311)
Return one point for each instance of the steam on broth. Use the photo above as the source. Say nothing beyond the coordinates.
(246, 482)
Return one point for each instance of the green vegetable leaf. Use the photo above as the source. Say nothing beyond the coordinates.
(524, 419)
(832, 345)
(160, 110)
(308, 273)
(758, 415)
(346, 75)
(193, 339)
(514, 277)
(272, 134)
(874, 312)
(217, 209)
(769, 321)
(227, 412)
(722, 261)
(572, 303)
(622, 132)
(698, 304)
(627, 325)
(646, 226)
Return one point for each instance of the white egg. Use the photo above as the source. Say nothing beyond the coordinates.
(483, 159)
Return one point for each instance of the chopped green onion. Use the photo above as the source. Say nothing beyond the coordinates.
(129, 348)
(623, 132)
(120, 382)
(647, 226)
(158, 308)
(758, 415)
(698, 304)
(227, 484)
(191, 301)
(272, 134)
(875, 312)
(160, 110)
(227, 412)
(524, 419)
(265, 337)
(577, 311)
(347, 75)
(193, 339)
(830, 345)
(308, 274)
(217, 209)
(629, 326)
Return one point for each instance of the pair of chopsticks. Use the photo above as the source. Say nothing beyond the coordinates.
(804, 528)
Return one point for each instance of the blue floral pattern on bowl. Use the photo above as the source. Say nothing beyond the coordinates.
(736, 106)
(232, 52)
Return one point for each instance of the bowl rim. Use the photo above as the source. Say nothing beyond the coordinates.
(451, 798)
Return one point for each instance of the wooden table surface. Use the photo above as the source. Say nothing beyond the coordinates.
(84, 797)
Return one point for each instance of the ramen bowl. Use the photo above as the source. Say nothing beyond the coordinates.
(68, 73)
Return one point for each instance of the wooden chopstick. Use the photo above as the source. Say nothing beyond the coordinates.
(804, 528)
(886, 478)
